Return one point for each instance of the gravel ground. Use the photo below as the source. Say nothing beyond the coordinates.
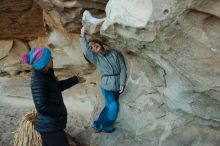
(12, 109)
(10, 115)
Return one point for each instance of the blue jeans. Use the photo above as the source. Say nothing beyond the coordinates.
(109, 113)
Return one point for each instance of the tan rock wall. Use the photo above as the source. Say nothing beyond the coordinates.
(21, 19)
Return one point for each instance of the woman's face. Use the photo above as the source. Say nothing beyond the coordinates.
(95, 47)
(50, 64)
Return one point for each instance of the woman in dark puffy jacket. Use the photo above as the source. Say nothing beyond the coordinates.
(46, 90)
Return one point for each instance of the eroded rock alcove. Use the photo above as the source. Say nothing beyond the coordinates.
(172, 53)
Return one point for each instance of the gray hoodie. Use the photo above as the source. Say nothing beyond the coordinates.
(110, 65)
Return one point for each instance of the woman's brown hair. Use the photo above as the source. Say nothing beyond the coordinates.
(98, 42)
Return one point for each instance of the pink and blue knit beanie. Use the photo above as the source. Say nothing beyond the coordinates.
(37, 57)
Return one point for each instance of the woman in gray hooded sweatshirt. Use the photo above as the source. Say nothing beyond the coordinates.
(113, 76)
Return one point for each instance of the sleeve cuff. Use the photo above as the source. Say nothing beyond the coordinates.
(75, 80)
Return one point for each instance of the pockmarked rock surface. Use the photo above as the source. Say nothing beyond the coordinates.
(6, 46)
(172, 54)
(21, 19)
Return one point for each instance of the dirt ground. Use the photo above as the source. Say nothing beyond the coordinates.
(12, 109)
(10, 115)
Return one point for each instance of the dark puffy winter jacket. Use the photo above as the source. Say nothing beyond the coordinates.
(48, 100)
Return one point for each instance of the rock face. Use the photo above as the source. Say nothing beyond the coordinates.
(172, 53)
(68, 14)
(5, 48)
(20, 19)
